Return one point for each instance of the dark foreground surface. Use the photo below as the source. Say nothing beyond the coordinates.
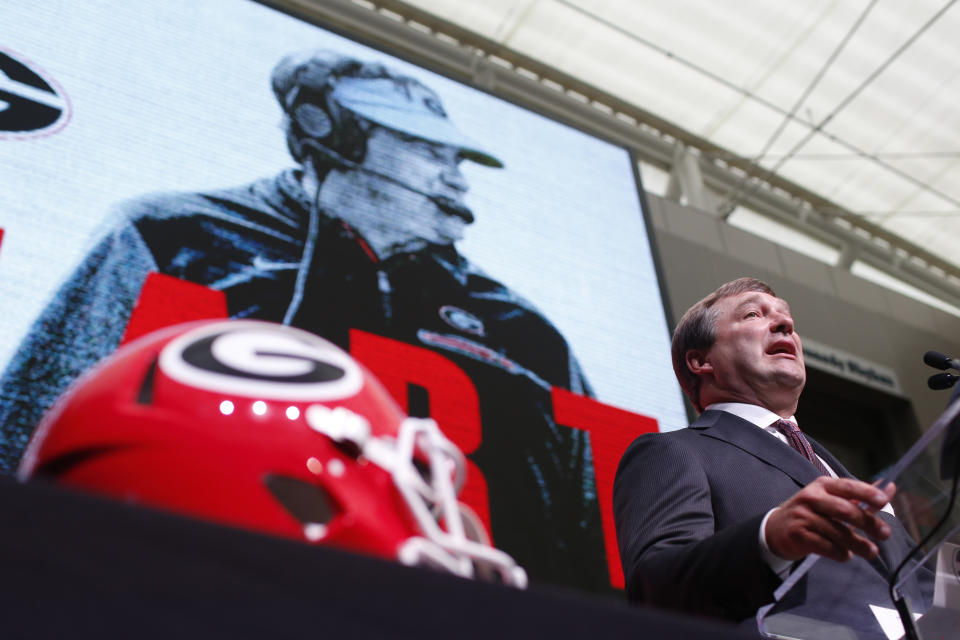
(74, 566)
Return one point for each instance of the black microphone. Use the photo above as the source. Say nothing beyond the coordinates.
(941, 361)
(940, 381)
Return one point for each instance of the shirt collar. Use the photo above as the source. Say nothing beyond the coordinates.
(764, 418)
(760, 416)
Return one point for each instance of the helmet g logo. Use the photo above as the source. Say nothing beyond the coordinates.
(257, 359)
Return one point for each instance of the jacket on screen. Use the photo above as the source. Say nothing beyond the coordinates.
(255, 244)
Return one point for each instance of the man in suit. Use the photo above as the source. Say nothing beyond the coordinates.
(711, 519)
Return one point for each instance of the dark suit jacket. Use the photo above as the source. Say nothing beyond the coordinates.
(688, 506)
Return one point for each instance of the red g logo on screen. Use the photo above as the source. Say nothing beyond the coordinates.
(35, 103)
(270, 428)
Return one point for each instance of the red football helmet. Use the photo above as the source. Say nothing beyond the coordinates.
(270, 428)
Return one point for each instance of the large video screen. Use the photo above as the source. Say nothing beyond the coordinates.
(310, 180)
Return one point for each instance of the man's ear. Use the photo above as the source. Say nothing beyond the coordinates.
(697, 362)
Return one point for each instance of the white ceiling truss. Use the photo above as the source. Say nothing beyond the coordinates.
(799, 132)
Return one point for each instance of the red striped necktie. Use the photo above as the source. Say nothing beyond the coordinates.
(799, 442)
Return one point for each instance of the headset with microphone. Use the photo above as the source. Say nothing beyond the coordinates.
(319, 128)
(318, 135)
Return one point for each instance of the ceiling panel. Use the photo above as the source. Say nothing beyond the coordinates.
(875, 128)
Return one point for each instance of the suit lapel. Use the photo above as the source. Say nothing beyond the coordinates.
(753, 440)
(835, 464)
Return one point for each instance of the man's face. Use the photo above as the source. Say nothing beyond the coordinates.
(757, 356)
(407, 172)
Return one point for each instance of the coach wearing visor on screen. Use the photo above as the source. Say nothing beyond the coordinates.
(359, 236)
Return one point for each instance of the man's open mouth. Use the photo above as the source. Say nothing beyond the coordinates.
(782, 347)
(453, 208)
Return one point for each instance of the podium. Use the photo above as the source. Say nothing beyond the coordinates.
(74, 565)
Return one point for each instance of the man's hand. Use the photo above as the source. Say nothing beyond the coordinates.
(822, 518)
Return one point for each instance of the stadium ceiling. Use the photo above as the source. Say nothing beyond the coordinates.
(839, 118)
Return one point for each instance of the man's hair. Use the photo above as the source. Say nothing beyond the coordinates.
(697, 330)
